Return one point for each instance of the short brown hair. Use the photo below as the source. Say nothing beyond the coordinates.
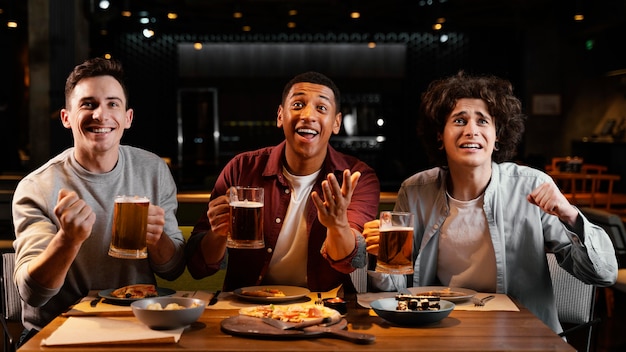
(93, 68)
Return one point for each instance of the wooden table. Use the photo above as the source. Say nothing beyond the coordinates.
(461, 331)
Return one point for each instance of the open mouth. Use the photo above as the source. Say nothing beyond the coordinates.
(100, 129)
(471, 146)
(307, 133)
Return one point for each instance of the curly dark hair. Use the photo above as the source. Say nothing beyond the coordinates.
(315, 78)
(441, 97)
(95, 67)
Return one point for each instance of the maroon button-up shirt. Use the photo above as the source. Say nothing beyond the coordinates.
(264, 168)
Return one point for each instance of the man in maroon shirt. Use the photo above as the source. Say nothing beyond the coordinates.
(312, 222)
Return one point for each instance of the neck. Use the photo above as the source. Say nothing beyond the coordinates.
(97, 163)
(302, 166)
(466, 184)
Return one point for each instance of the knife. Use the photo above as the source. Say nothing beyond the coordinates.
(214, 298)
(95, 302)
(284, 325)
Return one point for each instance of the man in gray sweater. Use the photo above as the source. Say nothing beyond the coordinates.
(63, 211)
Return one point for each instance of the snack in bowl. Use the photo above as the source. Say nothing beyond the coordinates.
(266, 292)
(182, 311)
(387, 308)
(135, 291)
(336, 303)
(293, 313)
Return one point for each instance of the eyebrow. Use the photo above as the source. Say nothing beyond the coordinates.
(464, 112)
(107, 98)
(297, 94)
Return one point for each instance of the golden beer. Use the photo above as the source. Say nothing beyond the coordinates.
(130, 221)
(395, 251)
(395, 245)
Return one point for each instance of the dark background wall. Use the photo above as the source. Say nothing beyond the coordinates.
(535, 44)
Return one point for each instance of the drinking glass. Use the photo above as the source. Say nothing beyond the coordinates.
(130, 221)
(395, 252)
(246, 218)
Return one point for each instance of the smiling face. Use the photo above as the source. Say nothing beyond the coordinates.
(469, 135)
(96, 113)
(308, 117)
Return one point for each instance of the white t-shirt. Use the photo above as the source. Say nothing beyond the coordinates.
(288, 265)
(466, 256)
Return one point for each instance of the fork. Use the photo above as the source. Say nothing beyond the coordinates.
(481, 302)
(319, 301)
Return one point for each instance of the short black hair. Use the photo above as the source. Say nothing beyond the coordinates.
(315, 78)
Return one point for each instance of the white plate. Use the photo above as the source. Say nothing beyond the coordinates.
(460, 294)
(292, 293)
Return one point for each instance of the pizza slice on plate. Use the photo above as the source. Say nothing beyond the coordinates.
(294, 313)
(267, 292)
(135, 291)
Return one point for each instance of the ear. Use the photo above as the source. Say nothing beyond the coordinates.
(337, 124)
(279, 117)
(65, 118)
(129, 118)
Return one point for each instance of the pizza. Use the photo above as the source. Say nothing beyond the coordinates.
(135, 291)
(294, 313)
(446, 292)
(266, 292)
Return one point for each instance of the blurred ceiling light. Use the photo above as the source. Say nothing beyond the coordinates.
(104, 4)
(237, 14)
(126, 13)
(107, 56)
(437, 26)
(579, 17)
(144, 20)
(148, 33)
(246, 28)
(441, 20)
(12, 24)
(371, 45)
(355, 14)
(291, 24)
(293, 12)
(197, 46)
(172, 15)
(444, 38)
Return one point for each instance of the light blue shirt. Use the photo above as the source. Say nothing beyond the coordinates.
(521, 234)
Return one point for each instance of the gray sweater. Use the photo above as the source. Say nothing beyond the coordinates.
(138, 172)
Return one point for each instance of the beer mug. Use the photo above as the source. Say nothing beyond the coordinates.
(130, 222)
(246, 218)
(395, 247)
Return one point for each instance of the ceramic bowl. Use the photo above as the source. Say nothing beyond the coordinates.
(386, 309)
(168, 319)
(337, 303)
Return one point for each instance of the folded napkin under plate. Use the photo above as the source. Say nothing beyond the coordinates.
(85, 308)
(88, 330)
(501, 302)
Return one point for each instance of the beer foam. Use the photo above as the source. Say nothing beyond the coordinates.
(396, 228)
(131, 199)
(246, 204)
